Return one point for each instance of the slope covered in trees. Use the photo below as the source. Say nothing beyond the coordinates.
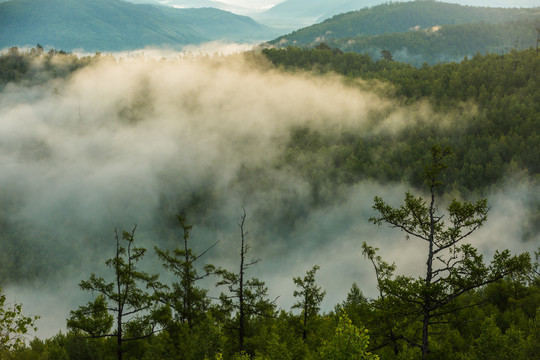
(499, 138)
(422, 31)
(445, 43)
(400, 17)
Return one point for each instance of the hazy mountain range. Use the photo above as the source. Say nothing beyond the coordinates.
(422, 31)
(116, 25)
(113, 25)
(291, 15)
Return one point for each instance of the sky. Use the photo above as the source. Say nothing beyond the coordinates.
(256, 4)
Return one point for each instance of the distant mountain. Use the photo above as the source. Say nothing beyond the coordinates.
(195, 4)
(293, 14)
(114, 25)
(401, 17)
(320, 9)
(290, 15)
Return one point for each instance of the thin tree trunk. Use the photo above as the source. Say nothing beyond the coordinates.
(187, 284)
(304, 331)
(120, 302)
(119, 340)
(429, 276)
(241, 330)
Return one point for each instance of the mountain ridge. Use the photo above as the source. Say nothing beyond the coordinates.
(400, 17)
(117, 25)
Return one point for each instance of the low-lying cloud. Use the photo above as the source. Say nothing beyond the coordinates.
(139, 140)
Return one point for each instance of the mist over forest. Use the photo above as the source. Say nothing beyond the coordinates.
(137, 141)
(366, 187)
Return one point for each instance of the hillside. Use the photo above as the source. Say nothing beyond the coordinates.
(444, 43)
(112, 25)
(401, 17)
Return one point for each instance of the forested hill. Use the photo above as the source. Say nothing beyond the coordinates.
(402, 17)
(501, 138)
(445, 43)
(422, 31)
(112, 25)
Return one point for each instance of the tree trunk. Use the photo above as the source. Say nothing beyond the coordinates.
(304, 331)
(429, 276)
(187, 284)
(120, 302)
(425, 333)
(119, 338)
(241, 329)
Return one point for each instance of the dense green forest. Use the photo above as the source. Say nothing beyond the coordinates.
(500, 137)
(488, 106)
(445, 43)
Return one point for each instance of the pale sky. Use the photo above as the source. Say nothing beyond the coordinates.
(235, 6)
(252, 3)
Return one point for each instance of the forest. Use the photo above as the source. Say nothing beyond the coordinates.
(479, 135)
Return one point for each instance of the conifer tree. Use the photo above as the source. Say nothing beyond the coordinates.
(131, 304)
(247, 296)
(188, 300)
(453, 268)
(310, 300)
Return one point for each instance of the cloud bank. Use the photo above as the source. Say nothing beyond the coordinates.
(138, 141)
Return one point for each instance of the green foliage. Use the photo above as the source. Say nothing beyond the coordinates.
(93, 318)
(14, 326)
(128, 299)
(349, 342)
(189, 301)
(453, 269)
(445, 43)
(200, 341)
(36, 66)
(498, 138)
(497, 320)
(310, 300)
(493, 344)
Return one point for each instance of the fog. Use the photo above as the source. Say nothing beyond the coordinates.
(138, 141)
